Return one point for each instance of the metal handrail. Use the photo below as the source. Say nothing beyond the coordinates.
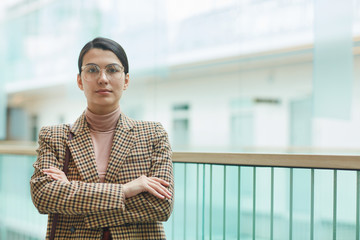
(345, 162)
(18, 149)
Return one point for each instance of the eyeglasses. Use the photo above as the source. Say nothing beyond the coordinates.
(92, 72)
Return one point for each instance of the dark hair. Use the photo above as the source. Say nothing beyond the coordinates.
(105, 44)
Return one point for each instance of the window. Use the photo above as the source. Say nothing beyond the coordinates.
(180, 126)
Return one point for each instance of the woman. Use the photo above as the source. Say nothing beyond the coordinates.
(120, 180)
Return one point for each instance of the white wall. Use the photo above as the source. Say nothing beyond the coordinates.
(209, 94)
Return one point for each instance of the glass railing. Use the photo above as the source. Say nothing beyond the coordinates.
(223, 196)
(19, 219)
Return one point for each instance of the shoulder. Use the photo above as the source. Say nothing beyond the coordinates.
(54, 132)
(147, 129)
(148, 126)
(140, 125)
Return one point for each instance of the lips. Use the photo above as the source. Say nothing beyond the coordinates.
(103, 91)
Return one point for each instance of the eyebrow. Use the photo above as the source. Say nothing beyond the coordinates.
(105, 66)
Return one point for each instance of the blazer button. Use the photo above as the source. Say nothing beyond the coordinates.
(72, 229)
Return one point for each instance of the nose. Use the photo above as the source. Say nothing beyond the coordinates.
(103, 78)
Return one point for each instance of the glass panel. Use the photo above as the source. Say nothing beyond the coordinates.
(281, 203)
(232, 200)
(17, 212)
(207, 200)
(178, 222)
(324, 204)
(200, 213)
(191, 203)
(263, 196)
(246, 203)
(301, 204)
(346, 203)
(217, 202)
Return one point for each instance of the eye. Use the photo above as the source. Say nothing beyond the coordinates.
(92, 69)
(113, 69)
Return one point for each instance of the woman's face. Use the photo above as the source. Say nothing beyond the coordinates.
(102, 94)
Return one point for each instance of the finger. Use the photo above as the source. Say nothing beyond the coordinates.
(155, 193)
(48, 175)
(160, 186)
(48, 170)
(55, 176)
(54, 170)
(52, 173)
(52, 176)
(160, 190)
(162, 181)
(58, 178)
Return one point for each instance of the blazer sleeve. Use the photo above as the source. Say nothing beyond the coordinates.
(72, 198)
(144, 207)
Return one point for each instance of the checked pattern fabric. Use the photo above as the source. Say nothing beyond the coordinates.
(85, 205)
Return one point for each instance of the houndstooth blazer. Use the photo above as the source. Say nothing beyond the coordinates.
(85, 205)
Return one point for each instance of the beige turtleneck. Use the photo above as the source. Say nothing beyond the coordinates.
(102, 130)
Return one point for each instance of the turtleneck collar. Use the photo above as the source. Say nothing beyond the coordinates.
(102, 123)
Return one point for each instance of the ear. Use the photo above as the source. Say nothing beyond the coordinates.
(79, 82)
(126, 82)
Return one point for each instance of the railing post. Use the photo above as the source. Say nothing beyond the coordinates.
(185, 176)
(224, 205)
(335, 205)
(272, 206)
(203, 205)
(312, 204)
(254, 205)
(357, 204)
(197, 200)
(291, 203)
(211, 177)
(239, 203)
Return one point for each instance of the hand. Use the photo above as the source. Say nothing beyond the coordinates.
(56, 174)
(152, 185)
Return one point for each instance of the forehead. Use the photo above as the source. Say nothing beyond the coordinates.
(100, 57)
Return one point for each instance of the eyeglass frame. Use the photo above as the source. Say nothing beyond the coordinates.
(109, 77)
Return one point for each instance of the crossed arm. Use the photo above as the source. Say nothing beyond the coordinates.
(148, 198)
(152, 185)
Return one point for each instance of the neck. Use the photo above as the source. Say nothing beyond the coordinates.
(103, 122)
(102, 110)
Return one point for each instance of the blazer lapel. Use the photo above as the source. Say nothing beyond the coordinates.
(123, 142)
(82, 150)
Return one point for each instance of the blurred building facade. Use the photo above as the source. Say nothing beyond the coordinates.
(221, 76)
(230, 76)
